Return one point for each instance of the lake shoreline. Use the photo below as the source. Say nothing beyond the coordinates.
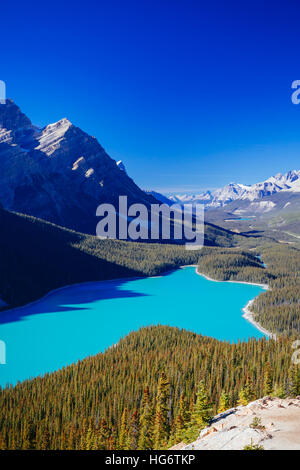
(248, 315)
(73, 305)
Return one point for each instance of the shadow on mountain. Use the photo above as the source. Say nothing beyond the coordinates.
(38, 257)
(253, 233)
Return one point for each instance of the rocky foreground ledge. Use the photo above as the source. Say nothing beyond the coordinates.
(272, 423)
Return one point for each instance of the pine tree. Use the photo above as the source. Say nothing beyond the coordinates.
(246, 394)
(103, 435)
(181, 421)
(161, 425)
(28, 436)
(123, 431)
(224, 403)
(90, 439)
(294, 381)
(45, 440)
(268, 381)
(146, 423)
(279, 391)
(133, 432)
(202, 414)
(2, 442)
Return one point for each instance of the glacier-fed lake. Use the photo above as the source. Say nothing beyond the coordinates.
(81, 320)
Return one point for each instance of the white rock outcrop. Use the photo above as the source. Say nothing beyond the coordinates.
(278, 429)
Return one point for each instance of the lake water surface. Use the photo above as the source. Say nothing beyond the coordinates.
(82, 320)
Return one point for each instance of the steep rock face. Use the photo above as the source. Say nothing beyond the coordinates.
(58, 173)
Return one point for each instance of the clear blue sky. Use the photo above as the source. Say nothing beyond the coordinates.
(189, 94)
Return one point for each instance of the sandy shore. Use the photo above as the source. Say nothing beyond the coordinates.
(248, 315)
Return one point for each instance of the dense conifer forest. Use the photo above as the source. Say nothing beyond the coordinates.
(277, 309)
(156, 387)
(159, 385)
(37, 257)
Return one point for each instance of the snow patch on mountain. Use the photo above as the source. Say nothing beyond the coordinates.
(121, 165)
(261, 206)
(52, 135)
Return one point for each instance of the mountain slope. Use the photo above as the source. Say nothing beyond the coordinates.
(37, 256)
(58, 173)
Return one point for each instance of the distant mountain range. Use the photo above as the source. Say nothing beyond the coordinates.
(273, 204)
(288, 182)
(58, 173)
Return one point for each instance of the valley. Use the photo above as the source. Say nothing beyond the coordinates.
(96, 315)
(149, 230)
(78, 312)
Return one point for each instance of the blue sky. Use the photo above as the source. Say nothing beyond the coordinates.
(188, 94)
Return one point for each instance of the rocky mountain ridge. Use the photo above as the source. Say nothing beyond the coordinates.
(58, 173)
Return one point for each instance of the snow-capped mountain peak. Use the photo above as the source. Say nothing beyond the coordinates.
(289, 181)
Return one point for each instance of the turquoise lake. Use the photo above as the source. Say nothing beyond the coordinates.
(82, 320)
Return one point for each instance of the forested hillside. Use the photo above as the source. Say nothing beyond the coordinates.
(277, 309)
(37, 256)
(156, 387)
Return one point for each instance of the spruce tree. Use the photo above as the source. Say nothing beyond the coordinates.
(146, 423)
(224, 403)
(246, 394)
(279, 392)
(123, 431)
(2, 442)
(103, 434)
(133, 432)
(268, 381)
(294, 381)
(28, 436)
(161, 424)
(202, 414)
(181, 421)
(90, 439)
(45, 440)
